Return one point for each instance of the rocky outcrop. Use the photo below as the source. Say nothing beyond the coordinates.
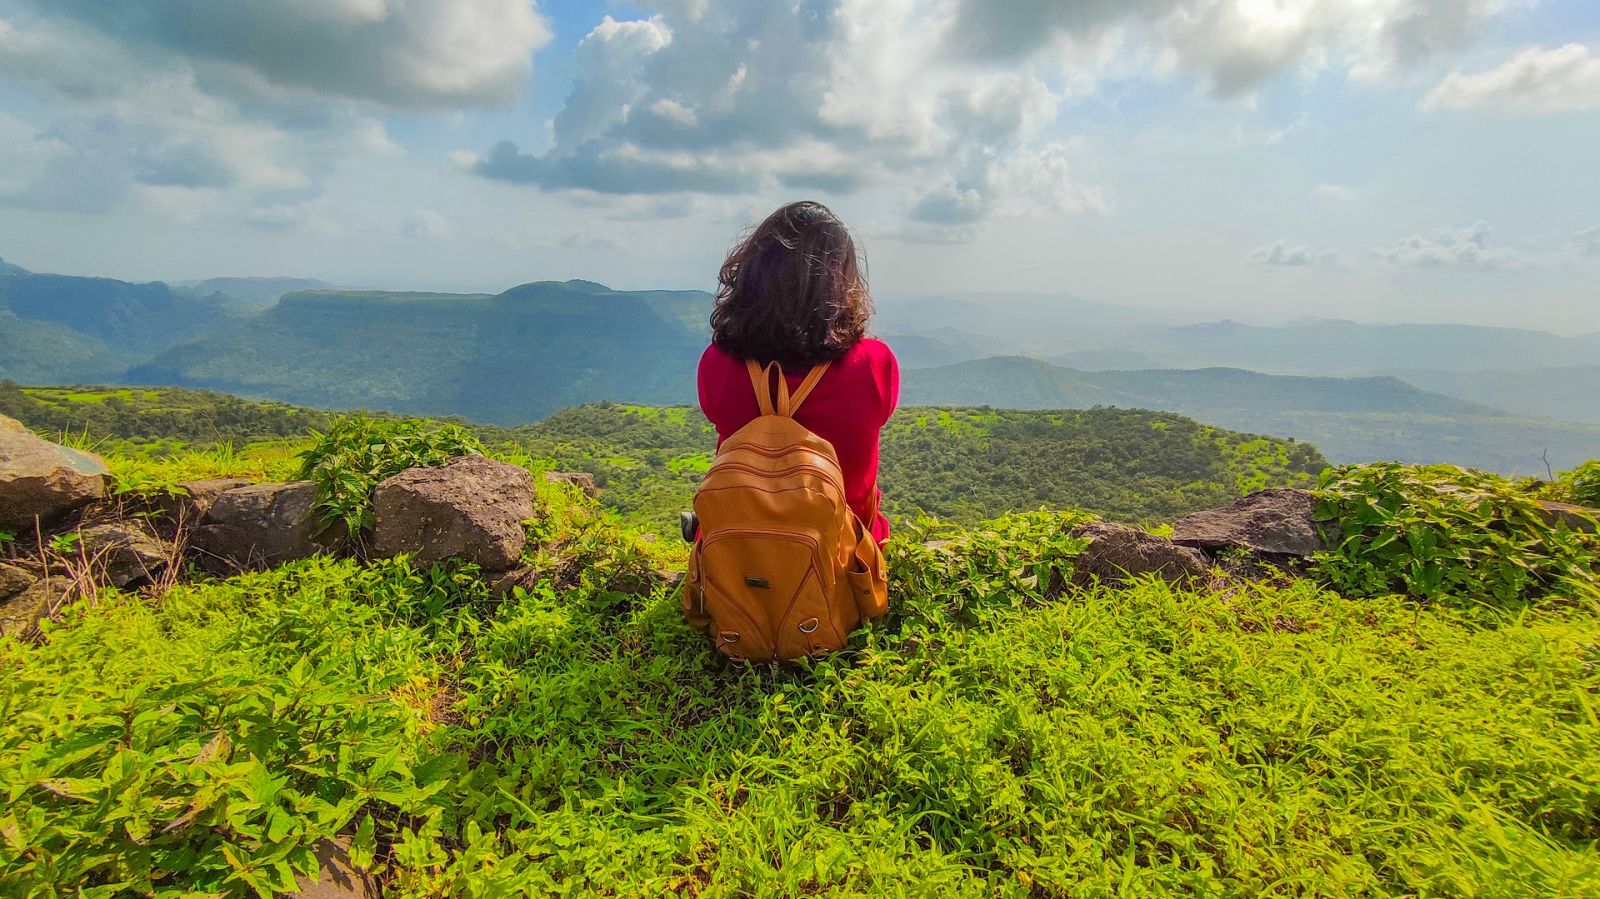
(1117, 553)
(125, 552)
(1575, 518)
(582, 480)
(261, 525)
(41, 481)
(22, 612)
(1274, 523)
(14, 580)
(188, 502)
(469, 508)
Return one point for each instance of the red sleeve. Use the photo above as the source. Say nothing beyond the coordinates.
(702, 383)
(893, 393)
(886, 375)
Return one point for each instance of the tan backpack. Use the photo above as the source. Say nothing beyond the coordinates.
(782, 568)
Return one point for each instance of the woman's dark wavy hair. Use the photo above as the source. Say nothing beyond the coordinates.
(793, 290)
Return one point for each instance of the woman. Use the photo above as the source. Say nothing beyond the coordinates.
(793, 292)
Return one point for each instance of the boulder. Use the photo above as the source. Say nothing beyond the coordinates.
(22, 612)
(191, 500)
(127, 551)
(1117, 552)
(14, 580)
(1576, 518)
(470, 508)
(1277, 522)
(43, 481)
(582, 480)
(261, 525)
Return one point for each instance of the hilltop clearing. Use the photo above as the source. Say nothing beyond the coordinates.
(1009, 730)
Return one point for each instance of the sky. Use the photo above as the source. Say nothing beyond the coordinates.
(1265, 160)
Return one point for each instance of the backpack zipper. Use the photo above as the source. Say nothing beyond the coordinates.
(804, 466)
(792, 536)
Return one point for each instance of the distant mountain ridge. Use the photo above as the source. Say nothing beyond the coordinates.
(257, 292)
(526, 352)
(1349, 419)
(1335, 347)
(502, 358)
(63, 327)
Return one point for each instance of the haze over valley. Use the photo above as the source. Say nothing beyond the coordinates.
(1503, 399)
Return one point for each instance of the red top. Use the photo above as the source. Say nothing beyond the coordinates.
(848, 408)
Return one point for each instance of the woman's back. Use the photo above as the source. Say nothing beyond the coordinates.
(848, 408)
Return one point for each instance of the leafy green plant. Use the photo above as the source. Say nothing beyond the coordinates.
(1445, 533)
(188, 748)
(65, 544)
(1583, 483)
(356, 452)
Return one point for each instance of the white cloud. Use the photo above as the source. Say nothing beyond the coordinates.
(953, 106)
(1534, 81)
(1587, 242)
(1457, 248)
(1337, 192)
(744, 96)
(1281, 253)
(425, 224)
(122, 121)
(400, 53)
(1232, 46)
(299, 216)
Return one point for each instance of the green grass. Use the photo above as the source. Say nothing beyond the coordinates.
(989, 739)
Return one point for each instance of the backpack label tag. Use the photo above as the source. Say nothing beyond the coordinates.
(757, 583)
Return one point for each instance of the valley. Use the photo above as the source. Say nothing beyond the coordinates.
(530, 352)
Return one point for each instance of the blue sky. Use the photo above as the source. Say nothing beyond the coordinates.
(1384, 160)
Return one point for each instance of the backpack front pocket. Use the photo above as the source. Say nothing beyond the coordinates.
(751, 581)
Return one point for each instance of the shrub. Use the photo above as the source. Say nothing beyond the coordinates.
(188, 748)
(1445, 533)
(357, 452)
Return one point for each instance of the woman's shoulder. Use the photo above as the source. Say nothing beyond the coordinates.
(870, 352)
(716, 358)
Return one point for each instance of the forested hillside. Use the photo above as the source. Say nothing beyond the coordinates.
(506, 358)
(958, 464)
(55, 327)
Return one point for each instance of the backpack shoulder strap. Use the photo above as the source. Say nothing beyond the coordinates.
(806, 386)
(761, 380)
(787, 406)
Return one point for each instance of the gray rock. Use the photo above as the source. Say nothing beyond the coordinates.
(582, 480)
(1576, 518)
(261, 525)
(14, 580)
(1117, 553)
(43, 481)
(20, 614)
(191, 501)
(470, 508)
(1277, 522)
(128, 551)
(336, 877)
